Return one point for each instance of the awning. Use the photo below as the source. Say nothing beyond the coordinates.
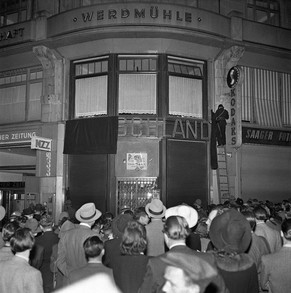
(96, 135)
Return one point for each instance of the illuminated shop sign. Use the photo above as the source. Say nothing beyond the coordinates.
(17, 136)
(233, 81)
(266, 136)
(180, 128)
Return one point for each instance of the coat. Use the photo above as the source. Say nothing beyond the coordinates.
(275, 271)
(88, 270)
(273, 236)
(154, 277)
(71, 253)
(129, 271)
(47, 240)
(17, 276)
(155, 237)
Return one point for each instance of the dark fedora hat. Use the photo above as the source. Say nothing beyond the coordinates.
(230, 232)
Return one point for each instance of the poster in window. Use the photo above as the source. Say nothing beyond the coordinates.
(136, 161)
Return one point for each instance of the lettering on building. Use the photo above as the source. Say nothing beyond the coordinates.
(14, 137)
(153, 12)
(188, 129)
(11, 34)
(266, 136)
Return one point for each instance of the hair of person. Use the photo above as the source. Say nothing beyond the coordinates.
(22, 240)
(9, 230)
(201, 229)
(139, 214)
(251, 218)
(286, 229)
(134, 240)
(93, 246)
(260, 213)
(176, 228)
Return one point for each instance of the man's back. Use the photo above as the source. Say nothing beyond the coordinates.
(154, 277)
(275, 271)
(273, 237)
(71, 253)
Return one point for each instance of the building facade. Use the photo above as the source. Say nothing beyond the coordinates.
(117, 98)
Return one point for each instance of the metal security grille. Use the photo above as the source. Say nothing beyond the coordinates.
(134, 192)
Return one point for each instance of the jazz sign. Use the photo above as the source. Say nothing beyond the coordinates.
(41, 143)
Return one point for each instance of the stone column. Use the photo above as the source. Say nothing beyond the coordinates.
(50, 164)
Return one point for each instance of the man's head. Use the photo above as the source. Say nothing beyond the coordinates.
(176, 229)
(93, 247)
(286, 230)
(177, 281)
(188, 273)
(260, 213)
(22, 240)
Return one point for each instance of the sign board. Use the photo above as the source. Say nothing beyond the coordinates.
(41, 143)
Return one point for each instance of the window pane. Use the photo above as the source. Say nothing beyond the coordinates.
(185, 97)
(12, 18)
(91, 96)
(137, 93)
(12, 104)
(34, 106)
(261, 16)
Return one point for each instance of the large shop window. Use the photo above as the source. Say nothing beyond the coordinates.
(185, 87)
(265, 11)
(137, 87)
(266, 97)
(91, 85)
(20, 94)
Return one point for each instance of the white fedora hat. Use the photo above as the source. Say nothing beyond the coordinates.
(189, 213)
(155, 209)
(87, 213)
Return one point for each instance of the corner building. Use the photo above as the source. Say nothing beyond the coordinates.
(123, 91)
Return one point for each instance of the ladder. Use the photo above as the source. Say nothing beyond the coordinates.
(222, 175)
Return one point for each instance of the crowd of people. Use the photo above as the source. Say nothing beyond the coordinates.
(234, 247)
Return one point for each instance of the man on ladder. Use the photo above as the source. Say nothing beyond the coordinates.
(221, 115)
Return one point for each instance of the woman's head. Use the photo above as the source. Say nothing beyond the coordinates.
(9, 230)
(22, 240)
(134, 239)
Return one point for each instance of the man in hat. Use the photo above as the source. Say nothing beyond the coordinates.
(71, 253)
(276, 267)
(221, 115)
(230, 233)
(187, 274)
(156, 211)
(175, 231)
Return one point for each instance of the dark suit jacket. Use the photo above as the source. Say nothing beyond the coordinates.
(154, 277)
(47, 240)
(129, 271)
(88, 270)
(112, 250)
